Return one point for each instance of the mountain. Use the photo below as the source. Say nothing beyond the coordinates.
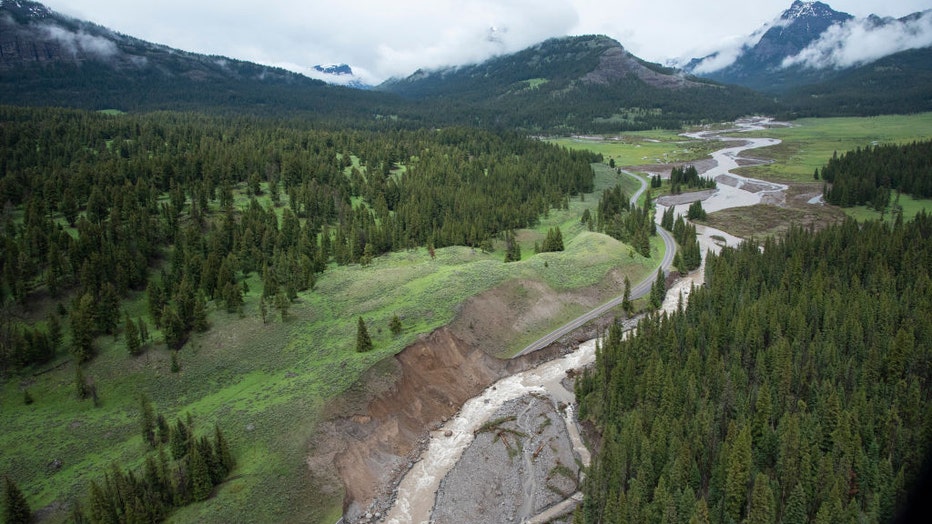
(811, 43)
(896, 84)
(339, 74)
(583, 82)
(759, 65)
(47, 58)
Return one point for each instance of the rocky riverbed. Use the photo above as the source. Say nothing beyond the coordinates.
(520, 463)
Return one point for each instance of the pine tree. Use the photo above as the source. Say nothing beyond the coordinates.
(82, 320)
(626, 304)
(737, 475)
(394, 325)
(199, 315)
(700, 513)
(131, 336)
(201, 485)
(147, 420)
(162, 429)
(178, 441)
(223, 453)
(55, 332)
(762, 504)
(15, 507)
(794, 512)
(143, 332)
(658, 290)
(363, 342)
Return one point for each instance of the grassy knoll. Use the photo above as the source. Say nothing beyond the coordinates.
(266, 385)
(810, 142)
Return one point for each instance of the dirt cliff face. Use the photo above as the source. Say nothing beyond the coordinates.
(374, 430)
(374, 433)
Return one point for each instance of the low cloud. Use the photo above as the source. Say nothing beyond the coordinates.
(731, 49)
(864, 40)
(81, 43)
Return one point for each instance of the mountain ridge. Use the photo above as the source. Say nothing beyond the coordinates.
(805, 45)
(587, 82)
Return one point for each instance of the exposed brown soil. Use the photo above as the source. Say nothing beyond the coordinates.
(374, 432)
(517, 307)
(369, 445)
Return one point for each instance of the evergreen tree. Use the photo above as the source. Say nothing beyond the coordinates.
(82, 321)
(700, 513)
(695, 211)
(147, 420)
(795, 509)
(512, 247)
(363, 342)
(131, 336)
(762, 505)
(223, 453)
(626, 304)
(201, 485)
(162, 429)
(178, 441)
(55, 332)
(738, 474)
(15, 507)
(143, 331)
(658, 290)
(394, 325)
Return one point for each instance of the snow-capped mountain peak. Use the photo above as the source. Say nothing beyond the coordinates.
(807, 8)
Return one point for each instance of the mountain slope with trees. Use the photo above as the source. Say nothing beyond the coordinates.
(582, 83)
(897, 84)
(49, 59)
(104, 200)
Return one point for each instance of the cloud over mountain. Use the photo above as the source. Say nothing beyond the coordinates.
(859, 41)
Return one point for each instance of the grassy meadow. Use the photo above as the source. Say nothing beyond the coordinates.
(267, 384)
(643, 147)
(808, 143)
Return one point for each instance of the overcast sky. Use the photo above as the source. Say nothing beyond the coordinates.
(384, 38)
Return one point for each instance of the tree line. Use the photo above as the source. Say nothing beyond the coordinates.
(869, 176)
(794, 387)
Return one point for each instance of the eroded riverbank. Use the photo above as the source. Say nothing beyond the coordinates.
(452, 470)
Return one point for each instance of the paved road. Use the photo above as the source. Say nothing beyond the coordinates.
(637, 291)
(639, 192)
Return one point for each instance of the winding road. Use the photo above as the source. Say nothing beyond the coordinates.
(639, 290)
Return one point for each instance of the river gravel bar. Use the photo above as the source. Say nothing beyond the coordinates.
(520, 463)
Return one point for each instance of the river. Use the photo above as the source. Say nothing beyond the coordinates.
(416, 492)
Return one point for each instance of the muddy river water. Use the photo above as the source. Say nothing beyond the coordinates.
(417, 491)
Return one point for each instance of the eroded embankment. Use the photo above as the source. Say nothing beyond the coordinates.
(372, 439)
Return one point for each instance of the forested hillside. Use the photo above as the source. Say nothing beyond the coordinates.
(186, 207)
(896, 84)
(579, 84)
(794, 387)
